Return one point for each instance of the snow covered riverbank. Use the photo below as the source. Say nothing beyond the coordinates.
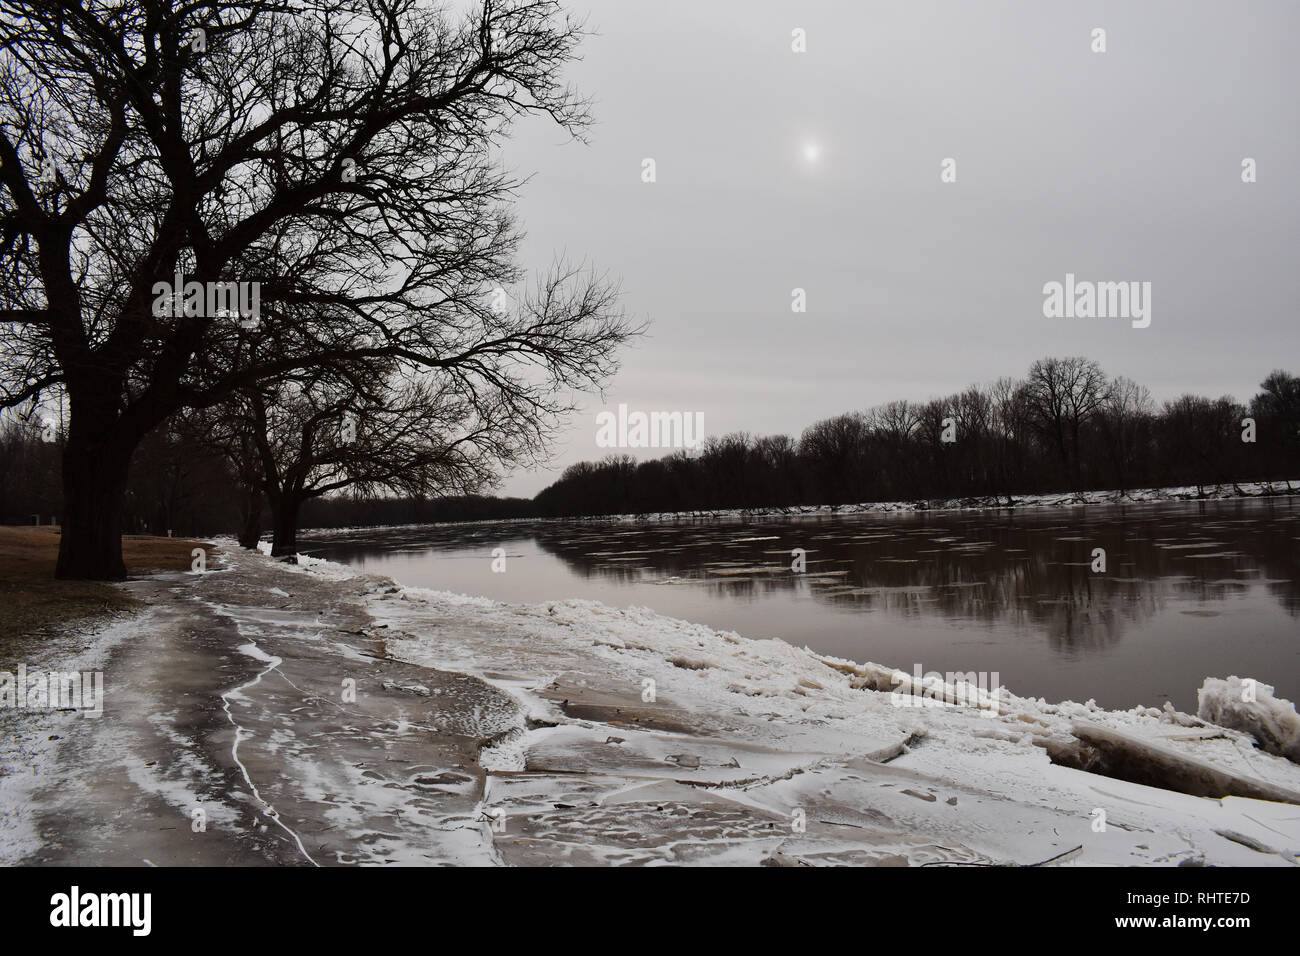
(1248, 489)
(317, 716)
(643, 739)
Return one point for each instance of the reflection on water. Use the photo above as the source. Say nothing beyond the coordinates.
(1190, 589)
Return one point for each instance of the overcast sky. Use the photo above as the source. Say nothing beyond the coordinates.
(1123, 165)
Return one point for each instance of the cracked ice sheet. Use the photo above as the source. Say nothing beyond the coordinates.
(757, 733)
(389, 808)
(366, 784)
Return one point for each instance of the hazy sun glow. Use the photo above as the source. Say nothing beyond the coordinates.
(811, 151)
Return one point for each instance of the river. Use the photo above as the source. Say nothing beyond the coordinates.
(1190, 589)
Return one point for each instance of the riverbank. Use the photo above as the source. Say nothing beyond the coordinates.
(1237, 490)
(318, 716)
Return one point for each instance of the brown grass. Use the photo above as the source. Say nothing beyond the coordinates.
(32, 602)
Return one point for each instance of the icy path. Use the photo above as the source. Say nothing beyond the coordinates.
(228, 738)
(272, 663)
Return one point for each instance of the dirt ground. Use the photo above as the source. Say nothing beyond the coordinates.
(32, 602)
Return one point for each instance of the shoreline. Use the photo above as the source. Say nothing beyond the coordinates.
(490, 733)
(1173, 493)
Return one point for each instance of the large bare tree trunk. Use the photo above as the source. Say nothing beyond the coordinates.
(251, 532)
(94, 490)
(284, 511)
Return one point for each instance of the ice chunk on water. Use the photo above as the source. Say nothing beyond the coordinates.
(1249, 705)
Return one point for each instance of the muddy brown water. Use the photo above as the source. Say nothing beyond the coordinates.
(1190, 589)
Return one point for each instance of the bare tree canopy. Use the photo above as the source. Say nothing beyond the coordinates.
(1062, 395)
(334, 157)
(370, 432)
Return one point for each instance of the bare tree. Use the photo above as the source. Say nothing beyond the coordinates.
(319, 435)
(1008, 428)
(1125, 411)
(895, 425)
(934, 454)
(835, 451)
(337, 152)
(1202, 439)
(1276, 410)
(973, 411)
(1062, 395)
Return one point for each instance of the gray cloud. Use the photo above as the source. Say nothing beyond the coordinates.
(1116, 166)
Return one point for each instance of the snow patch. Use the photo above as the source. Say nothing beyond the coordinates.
(1249, 706)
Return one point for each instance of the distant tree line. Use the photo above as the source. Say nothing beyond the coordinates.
(1065, 427)
(349, 512)
(180, 484)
